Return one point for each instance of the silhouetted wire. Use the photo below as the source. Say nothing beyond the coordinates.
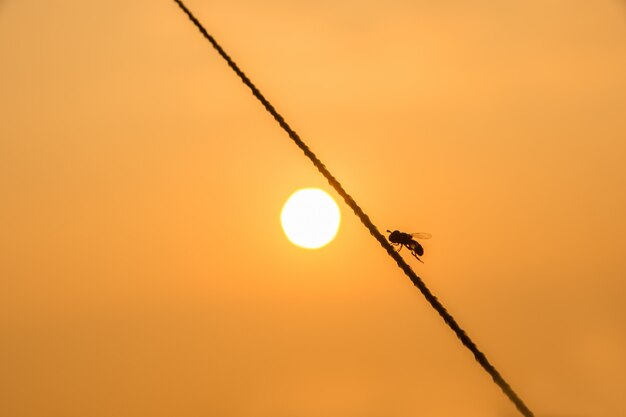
(417, 281)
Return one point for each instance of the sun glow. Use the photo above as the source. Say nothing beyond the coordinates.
(310, 218)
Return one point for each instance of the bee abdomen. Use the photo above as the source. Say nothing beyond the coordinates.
(417, 248)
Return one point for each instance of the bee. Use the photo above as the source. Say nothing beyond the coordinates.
(400, 239)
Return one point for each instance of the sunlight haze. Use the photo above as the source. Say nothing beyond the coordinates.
(143, 271)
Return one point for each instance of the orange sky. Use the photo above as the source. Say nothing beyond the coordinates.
(143, 271)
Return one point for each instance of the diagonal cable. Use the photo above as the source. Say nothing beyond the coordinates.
(417, 281)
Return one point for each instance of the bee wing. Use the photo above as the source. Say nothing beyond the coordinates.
(421, 235)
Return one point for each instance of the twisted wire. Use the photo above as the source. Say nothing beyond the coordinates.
(364, 218)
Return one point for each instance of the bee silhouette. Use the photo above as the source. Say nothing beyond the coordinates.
(401, 239)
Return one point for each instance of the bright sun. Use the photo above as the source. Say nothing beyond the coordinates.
(310, 218)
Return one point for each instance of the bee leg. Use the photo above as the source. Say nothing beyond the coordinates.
(417, 257)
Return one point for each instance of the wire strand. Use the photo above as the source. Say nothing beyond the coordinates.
(417, 281)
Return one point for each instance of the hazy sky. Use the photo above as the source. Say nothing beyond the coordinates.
(143, 271)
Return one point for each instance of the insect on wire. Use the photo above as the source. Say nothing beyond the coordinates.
(401, 239)
(364, 218)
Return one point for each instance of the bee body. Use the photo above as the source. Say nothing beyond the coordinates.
(401, 239)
